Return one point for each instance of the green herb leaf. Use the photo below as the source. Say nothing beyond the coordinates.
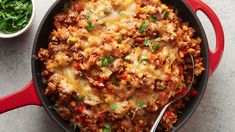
(14, 15)
(157, 40)
(152, 18)
(113, 106)
(71, 42)
(120, 38)
(147, 41)
(155, 46)
(167, 14)
(106, 60)
(106, 130)
(90, 26)
(140, 104)
(143, 27)
(162, 87)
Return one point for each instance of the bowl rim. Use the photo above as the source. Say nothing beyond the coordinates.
(23, 30)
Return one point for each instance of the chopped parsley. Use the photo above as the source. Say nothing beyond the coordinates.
(152, 18)
(147, 41)
(113, 106)
(157, 39)
(155, 46)
(14, 15)
(162, 87)
(70, 42)
(143, 27)
(120, 38)
(90, 26)
(106, 60)
(140, 104)
(167, 13)
(106, 130)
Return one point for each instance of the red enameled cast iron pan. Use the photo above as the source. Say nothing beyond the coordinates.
(32, 94)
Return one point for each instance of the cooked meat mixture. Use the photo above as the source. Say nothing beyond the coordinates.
(111, 65)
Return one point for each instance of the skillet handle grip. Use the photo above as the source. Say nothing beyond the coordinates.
(26, 96)
(215, 56)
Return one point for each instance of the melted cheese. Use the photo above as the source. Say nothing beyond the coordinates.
(161, 73)
(117, 16)
(70, 83)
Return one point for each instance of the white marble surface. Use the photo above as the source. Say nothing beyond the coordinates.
(214, 114)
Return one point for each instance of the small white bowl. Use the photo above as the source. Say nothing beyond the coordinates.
(11, 35)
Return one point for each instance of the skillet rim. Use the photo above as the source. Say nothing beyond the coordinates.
(185, 116)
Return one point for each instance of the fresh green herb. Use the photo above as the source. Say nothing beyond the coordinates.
(167, 13)
(144, 59)
(162, 87)
(143, 27)
(127, 58)
(80, 98)
(120, 38)
(157, 39)
(147, 41)
(66, 6)
(155, 46)
(106, 60)
(152, 18)
(106, 130)
(14, 15)
(90, 26)
(70, 42)
(113, 106)
(140, 104)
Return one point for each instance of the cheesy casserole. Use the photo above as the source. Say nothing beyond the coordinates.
(111, 65)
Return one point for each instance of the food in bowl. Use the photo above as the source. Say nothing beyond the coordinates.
(14, 15)
(111, 65)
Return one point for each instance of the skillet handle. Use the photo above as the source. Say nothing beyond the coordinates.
(215, 56)
(26, 96)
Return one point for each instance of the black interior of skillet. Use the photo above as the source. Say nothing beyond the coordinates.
(41, 41)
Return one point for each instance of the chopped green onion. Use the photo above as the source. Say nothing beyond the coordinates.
(143, 27)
